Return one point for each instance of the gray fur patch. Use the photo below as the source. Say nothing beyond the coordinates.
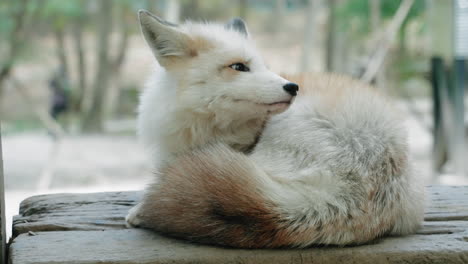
(237, 24)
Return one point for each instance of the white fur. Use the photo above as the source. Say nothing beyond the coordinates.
(306, 154)
(334, 165)
(190, 105)
(196, 100)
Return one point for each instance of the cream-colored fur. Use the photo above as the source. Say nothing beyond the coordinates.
(195, 98)
(331, 169)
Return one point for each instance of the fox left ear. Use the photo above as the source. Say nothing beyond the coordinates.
(237, 24)
(166, 41)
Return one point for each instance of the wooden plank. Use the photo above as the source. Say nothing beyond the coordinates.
(142, 246)
(447, 203)
(103, 211)
(90, 228)
(2, 208)
(58, 212)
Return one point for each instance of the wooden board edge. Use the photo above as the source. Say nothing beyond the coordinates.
(3, 256)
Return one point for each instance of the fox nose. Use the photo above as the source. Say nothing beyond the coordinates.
(291, 88)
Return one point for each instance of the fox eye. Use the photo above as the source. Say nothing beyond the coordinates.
(239, 67)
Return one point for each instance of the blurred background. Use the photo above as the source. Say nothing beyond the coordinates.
(71, 73)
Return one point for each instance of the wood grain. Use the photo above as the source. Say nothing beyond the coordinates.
(90, 228)
(60, 212)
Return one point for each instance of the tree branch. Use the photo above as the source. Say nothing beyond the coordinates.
(387, 39)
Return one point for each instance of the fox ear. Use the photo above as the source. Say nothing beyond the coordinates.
(165, 40)
(237, 24)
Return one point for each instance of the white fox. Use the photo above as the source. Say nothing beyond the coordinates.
(213, 85)
(331, 169)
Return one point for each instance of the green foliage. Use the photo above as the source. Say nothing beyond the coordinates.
(60, 12)
(355, 14)
(69, 8)
(19, 125)
(133, 4)
(389, 7)
(11, 8)
(15, 17)
(6, 23)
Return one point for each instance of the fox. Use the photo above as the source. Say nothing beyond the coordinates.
(199, 94)
(323, 164)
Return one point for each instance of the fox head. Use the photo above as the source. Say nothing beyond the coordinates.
(217, 67)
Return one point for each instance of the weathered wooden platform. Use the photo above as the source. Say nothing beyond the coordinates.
(90, 228)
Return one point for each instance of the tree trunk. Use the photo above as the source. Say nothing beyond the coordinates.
(375, 21)
(94, 117)
(382, 49)
(77, 98)
(173, 11)
(242, 9)
(309, 31)
(14, 42)
(440, 32)
(61, 54)
(331, 37)
(275, 20)
(402, 39)
(113, 95)
(191, 11)
(374, 14)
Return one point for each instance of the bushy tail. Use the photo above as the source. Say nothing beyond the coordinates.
(213, 196)
(218, 196)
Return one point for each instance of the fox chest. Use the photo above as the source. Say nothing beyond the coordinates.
(242, 139)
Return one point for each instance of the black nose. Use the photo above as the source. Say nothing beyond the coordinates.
(291, 88)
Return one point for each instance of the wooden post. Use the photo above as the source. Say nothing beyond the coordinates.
(460, 32)
(2, 208)
(458, 108)
(440, 139)
(449, 128)
(440, 28)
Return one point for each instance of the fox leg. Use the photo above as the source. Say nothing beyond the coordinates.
(132, 219)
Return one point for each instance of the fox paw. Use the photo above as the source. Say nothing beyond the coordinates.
(132, 220)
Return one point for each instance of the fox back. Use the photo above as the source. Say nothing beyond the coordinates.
(332, 169)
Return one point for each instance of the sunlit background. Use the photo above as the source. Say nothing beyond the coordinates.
(71, 72)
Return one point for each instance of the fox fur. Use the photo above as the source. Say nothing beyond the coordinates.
(196, 97)
(332, 169)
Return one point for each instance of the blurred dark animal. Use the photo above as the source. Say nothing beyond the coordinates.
(59, 98)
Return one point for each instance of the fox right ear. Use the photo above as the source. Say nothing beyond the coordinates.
(237, 24)
(165, 40)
